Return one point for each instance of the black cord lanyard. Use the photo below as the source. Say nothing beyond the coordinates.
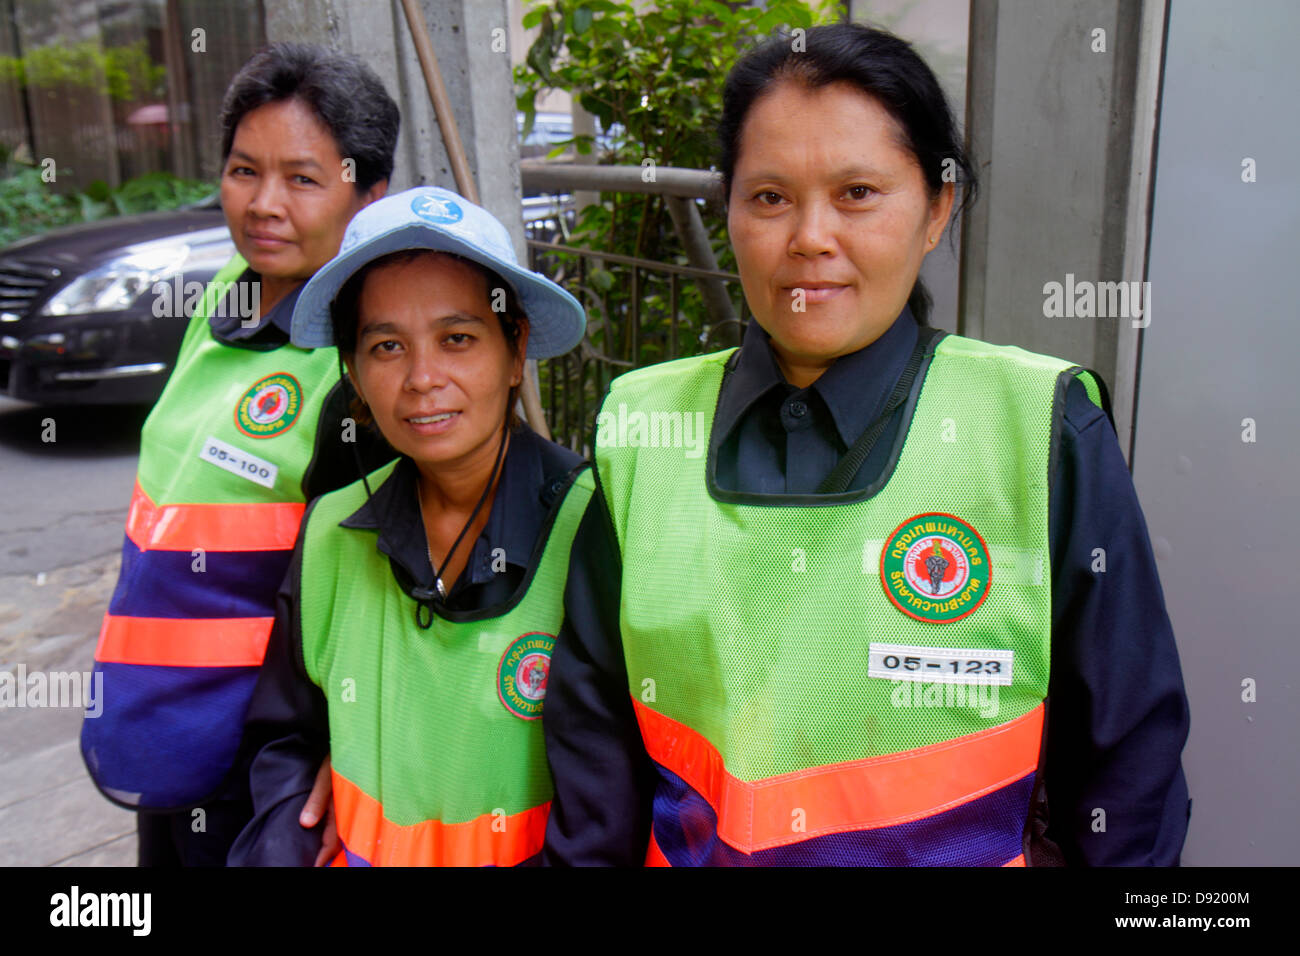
(441, 592)
(425, 597)
(839, 478)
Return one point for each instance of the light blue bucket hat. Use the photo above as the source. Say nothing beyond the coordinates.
(428, 217)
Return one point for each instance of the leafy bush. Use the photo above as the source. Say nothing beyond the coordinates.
(28, 205)
(654, 77)
(124, 73)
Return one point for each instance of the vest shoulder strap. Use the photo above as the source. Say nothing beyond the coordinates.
(333, 507)
(212, 294)
(666, 379)
(959, 346)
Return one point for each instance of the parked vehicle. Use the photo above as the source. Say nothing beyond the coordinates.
(89, 313)
(553, 129)
(95, 313)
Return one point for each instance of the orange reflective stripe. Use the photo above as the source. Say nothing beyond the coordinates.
(184, 642)
(365, 831)
(259, 526)
(855, 795)
(653, 855)
(1018, 861)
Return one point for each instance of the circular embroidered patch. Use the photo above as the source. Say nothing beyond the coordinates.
(522, 674)
(935, 567)
(270, 407)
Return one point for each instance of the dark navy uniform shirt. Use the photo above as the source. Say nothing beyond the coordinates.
(286, 732)
(269, 331)
(1116, 712)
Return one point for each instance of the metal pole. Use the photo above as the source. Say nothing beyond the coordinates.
(441, 102)
(695, 239)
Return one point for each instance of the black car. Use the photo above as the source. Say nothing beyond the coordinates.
(90, 314)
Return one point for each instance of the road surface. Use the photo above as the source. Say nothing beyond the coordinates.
(62, 507)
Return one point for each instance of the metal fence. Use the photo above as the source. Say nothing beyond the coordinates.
(644, 311)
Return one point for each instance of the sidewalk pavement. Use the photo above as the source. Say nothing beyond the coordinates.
(50, 812)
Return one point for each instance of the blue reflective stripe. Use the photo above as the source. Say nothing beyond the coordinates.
(168, 734)
(983, 832)
(166, 584)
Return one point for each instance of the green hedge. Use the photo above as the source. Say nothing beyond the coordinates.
(29, 205)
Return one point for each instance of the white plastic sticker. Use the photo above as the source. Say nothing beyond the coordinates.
(239, 462)
(940, 665)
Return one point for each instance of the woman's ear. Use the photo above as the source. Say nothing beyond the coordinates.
(940, 211)
(352, 378)
(517, 375)
(377, 191)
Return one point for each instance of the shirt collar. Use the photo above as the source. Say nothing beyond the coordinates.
(855, 387)
(228, 324)
(394, 511)
(281, 314)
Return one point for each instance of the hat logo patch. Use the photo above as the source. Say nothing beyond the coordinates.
(435, 210)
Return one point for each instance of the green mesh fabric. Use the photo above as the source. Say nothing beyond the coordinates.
(415, 717)
(750, 623)
(200, 401)
(1089, 383)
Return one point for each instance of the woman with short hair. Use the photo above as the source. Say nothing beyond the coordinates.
(247, 430)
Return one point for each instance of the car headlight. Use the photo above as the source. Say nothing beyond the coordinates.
(118, 283)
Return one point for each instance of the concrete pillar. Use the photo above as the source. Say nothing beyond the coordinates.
(471, 39)
(1061, 119)
(584, 124)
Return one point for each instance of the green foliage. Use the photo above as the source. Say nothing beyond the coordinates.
(156, 190)
(29, 206)
(653, 74)
(657, 72)
(123, 73)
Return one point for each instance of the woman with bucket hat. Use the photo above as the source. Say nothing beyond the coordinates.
(414, 629)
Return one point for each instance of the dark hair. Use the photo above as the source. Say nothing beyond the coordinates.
(880, 65)
(342, 92)
(345, 312)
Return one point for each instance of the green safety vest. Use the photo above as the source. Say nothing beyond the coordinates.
(435, 744)
(213, 519)
(852, 678)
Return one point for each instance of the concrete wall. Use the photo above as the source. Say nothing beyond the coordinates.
(1062, 130)
(464, 39)
(1218, 438)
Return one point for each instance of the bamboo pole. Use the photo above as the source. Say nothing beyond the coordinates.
(460, 170)
(441, 102)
